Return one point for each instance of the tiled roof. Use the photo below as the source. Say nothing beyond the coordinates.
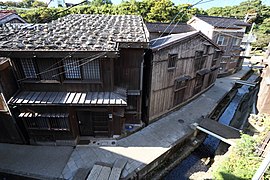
(76, 32)
(223, 22)
(166, 40)
(173, 28)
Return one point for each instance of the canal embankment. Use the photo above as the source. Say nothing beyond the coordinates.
(232, 111)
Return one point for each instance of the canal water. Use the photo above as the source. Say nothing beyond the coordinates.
(207, 149)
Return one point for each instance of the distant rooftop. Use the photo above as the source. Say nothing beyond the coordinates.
(76, 32)
(223, 22)
(8, 15)
(159, 27)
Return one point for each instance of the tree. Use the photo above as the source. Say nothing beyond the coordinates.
(100, 2)
(37, 3)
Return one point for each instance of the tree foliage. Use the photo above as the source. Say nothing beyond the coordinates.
(242, 161)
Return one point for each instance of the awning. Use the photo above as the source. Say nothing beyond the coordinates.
(69, 98)
(203, 72)
(182, 78)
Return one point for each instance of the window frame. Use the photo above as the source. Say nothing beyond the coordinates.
(25, 67)
(69, 65)
(234, 40)
(224, 41)
(40, 122)
(172, 61)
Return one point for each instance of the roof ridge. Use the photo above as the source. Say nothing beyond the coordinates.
(199, 15)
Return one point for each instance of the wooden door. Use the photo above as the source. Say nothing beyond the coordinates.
(85, 123)
(93, 123)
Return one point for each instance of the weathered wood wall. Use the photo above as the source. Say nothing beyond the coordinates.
(163, 79)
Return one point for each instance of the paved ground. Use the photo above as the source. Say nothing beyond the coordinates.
(138, 149)
(36, 161)
(146, 145)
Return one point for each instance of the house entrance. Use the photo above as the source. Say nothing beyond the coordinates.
(93, 123)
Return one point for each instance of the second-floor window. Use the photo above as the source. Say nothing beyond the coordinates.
(28, 68)
(91, 70)
(222, 40)
(172, 61)
(199, 60)
(236, 41)
(82, 69)
(72, 69)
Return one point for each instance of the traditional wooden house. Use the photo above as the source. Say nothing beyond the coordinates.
(9, 129)
(179, 67)
(159, 29)
(228, 34)
(78, 76)
(10, 16)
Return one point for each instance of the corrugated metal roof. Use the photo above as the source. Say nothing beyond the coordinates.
(163, 41)
(69, 98)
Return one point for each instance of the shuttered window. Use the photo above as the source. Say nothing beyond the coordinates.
(28, 68)
(72, 69)
(91, 70)
(172, 61)
(45, 121)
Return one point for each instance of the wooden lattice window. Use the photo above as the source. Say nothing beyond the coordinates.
(172, 61)
(60, 123)
(91, 70)
(36, 123)
(46, 121)
(72, 69)
(28, 68)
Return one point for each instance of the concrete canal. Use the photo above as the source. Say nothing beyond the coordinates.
(237, 110)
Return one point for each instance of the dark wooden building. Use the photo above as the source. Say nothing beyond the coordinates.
(9, 129)
(179, 67)
(228, 34)
(78, 76)
(159, 29)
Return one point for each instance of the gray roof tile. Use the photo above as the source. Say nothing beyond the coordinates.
(75, 32)
(223, 22)
(159, 27)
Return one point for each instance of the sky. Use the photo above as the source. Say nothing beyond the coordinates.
(208, 3)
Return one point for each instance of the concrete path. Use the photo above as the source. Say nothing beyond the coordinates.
(41, 162)
(146, 145)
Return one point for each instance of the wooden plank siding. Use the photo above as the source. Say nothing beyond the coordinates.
(230, 60)
(162, 89)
